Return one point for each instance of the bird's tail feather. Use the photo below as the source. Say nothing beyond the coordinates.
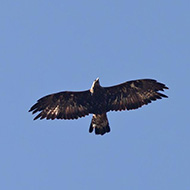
(100, 124)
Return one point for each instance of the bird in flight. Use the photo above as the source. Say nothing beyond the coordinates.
(98, 101)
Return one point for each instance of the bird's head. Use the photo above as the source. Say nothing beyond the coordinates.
(95, 84)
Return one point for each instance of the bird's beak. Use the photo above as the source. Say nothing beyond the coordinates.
(97, 79)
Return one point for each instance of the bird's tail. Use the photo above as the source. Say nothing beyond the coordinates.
(100, 124)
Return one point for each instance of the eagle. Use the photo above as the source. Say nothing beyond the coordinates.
(98, 101)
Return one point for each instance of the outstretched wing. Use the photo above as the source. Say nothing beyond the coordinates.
(133, 94)
(63, 105)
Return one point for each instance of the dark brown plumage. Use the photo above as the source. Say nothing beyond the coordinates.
(97, 101)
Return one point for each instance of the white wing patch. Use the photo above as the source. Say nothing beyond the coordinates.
(56, 110)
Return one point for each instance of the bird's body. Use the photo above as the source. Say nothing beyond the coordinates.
(98, 101)
(98, 98)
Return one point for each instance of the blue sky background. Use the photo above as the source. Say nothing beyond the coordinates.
(51, 46)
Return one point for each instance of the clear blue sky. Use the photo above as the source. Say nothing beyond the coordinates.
(51, 46)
